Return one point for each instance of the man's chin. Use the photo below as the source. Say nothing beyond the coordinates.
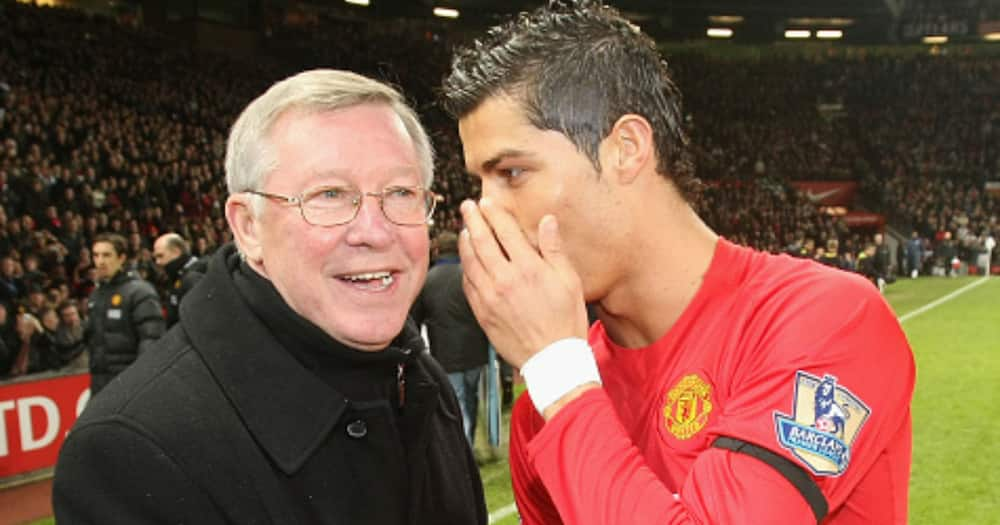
(381, 333)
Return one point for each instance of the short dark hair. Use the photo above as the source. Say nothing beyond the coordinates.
(116, 241)
(576, 67)
(447, 242)
(66, 304)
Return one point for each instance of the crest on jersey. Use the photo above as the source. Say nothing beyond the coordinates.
(687, 405)
(826, 419)
(116, 300)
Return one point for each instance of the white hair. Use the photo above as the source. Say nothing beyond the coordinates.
(249, 155)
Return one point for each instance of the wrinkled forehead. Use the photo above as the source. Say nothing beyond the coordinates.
(356, 145)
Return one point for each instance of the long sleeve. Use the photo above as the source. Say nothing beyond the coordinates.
(147, 318)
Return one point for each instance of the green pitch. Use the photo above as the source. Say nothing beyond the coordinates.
(956, 406)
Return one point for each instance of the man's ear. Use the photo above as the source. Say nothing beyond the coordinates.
(243, 223)
(628, 148)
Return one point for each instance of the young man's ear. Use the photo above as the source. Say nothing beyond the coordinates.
(243, 223)
(628, 147)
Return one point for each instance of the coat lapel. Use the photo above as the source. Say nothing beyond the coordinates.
(287, 409)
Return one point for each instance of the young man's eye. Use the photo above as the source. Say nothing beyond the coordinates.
(511, 173)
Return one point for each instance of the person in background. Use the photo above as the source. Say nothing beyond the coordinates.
(124, 315)
(914, 254)
(182, 270)
(32, 349)
(68, 338)
(456, 340)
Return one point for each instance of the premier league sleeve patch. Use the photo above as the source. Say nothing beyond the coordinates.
(826, 419)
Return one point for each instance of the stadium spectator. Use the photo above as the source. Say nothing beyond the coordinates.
(32, 351)
(8, 344)
(68, 338)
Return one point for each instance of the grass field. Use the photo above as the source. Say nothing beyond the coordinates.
(956, 420)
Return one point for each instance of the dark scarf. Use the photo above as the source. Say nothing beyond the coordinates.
(356, 374)
(173, 268)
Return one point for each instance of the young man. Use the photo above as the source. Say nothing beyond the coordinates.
(296, 390)
(721, 385)
(124, 317)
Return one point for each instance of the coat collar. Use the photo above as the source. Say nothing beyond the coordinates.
(288, 410)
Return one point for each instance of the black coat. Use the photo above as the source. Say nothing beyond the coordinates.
(221, 424)
(182, 274)
(124, 320)
(456, 339)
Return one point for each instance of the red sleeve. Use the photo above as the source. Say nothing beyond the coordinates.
(584, 464)
(533, 502)
(846, 334)
(595, 475)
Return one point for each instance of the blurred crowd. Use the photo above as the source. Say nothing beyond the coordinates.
(106, 128)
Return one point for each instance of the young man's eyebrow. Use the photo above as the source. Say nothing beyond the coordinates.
(491, 163)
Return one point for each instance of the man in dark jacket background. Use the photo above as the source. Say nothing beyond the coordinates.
(294, 389)
(456, 340)
(181, 269)
(125, 316)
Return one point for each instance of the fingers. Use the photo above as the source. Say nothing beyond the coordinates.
(472, 269)
(481, 244)
(551, 248)
(549, 240)
(508, 232)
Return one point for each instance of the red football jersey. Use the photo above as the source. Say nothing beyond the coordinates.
(803, 360)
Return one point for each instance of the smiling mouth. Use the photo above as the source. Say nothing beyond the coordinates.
(375, 281)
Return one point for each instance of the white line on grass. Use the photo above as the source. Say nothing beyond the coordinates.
(503, 513)
(942, 300)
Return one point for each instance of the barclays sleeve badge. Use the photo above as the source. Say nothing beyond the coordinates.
(825, 421)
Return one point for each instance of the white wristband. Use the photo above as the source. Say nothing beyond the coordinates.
(558, 369)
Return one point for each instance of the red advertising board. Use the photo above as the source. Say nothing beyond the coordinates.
(35, 416)
(861, 219)
(828, 193)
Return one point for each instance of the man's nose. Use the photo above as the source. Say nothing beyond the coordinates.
(370, 226)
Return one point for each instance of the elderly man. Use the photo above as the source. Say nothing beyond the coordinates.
(297, 391)
(181, 269)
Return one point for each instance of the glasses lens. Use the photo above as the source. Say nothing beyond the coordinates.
(406, 205)
(330, 205)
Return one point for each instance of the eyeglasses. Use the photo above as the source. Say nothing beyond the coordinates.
(335, 205)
